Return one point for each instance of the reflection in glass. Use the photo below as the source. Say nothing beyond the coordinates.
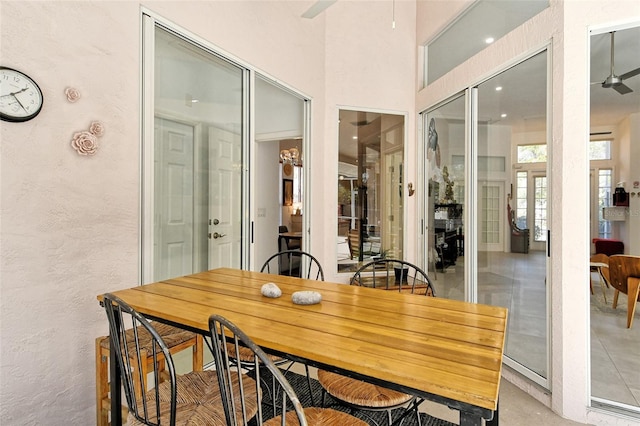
(370, 188)
(445, 172)
(614, 153)
(196, 160)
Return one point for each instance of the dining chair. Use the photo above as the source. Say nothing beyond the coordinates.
(390, 275)
(176, 339)
(624, 271)
(236, 387)
(164, 397)
(289, 243)
(276, 262)
(294, 263)
(393, 274)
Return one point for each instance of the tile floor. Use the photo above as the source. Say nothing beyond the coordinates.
(517, 281)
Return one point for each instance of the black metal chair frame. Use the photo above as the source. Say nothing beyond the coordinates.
(304, 268)
(116, 310)
(379, 272)
(289, 256)
(223, 332)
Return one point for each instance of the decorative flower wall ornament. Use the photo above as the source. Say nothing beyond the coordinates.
(72, 94)
(96, 128)
(85, 143)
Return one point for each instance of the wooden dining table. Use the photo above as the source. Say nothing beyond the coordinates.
(438, 349)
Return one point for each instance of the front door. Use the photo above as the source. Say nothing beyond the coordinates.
(225, 218)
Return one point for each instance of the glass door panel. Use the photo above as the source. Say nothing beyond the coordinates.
(512, 208)
(614, 153)
(445, 199)
(196, 158)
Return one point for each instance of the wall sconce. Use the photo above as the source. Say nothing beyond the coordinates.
(291, 155)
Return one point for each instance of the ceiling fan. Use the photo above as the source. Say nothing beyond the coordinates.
(614, 81)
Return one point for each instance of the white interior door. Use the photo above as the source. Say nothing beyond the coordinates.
(173, 199)
(225, 218)
(491, 217)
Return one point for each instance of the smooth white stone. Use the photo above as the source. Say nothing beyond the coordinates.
(271, 290)
(306, 297)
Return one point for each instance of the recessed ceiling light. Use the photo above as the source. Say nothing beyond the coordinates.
(503, 115)
(194, 101)
(499, 88)
(355, 137)
(489, 40)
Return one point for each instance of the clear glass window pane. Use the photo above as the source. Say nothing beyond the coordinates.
(479, 26)
(604, 200)
(540, 218)
(600, 150)
(532, 153)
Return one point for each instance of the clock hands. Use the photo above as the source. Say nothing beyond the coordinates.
(19, 91)
(16, 98)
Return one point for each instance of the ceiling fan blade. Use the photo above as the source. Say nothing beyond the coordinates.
(622, 89)
(630, 74)
(317, 8)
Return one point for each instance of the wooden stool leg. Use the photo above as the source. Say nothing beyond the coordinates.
(102, 384)
(633, 288)
(197, 353)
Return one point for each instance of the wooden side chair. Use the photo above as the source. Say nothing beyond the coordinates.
(624, 271)
(391, 275)
(235, 386)
(356, 246)
(177, 340)
(155, 394)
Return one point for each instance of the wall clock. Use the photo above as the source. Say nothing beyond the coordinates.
(20, 97)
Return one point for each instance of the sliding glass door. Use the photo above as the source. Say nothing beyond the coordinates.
(192, 166)
(486, 205)
(512, 209)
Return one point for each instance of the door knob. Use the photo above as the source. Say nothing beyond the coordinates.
(216, 221)
(216, 235)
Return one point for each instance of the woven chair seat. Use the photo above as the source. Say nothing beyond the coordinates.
(172, 336)
(318, 417)
(359, 393)
(198, 400)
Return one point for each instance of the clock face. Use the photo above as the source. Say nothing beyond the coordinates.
(20, 97)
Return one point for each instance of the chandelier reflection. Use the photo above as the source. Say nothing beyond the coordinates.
(291, 156)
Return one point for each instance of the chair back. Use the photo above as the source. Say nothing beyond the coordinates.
(353, 238)
(228, 340)
(133, 348)
(394, 274)
(621, 268)
(294, 263)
